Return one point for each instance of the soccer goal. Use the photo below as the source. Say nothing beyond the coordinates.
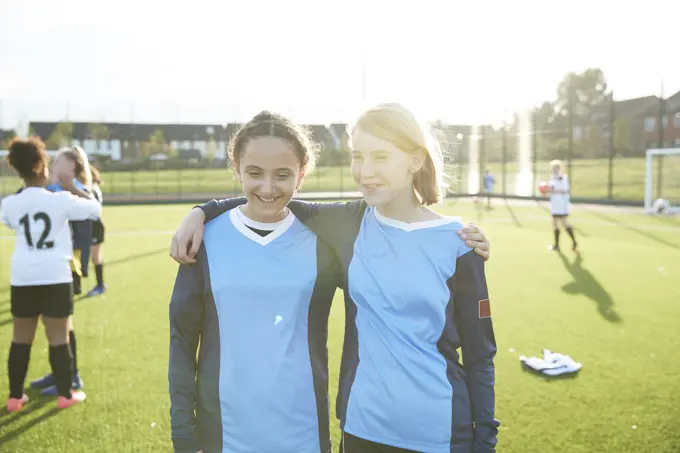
(662, 181)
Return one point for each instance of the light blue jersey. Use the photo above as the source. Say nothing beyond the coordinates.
(400, 323)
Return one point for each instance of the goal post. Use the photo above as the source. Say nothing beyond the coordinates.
(670, 172)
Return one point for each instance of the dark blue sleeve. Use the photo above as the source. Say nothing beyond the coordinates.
(335, 223)
(332, 222)
(478, 345)
(214, 208)
(186, 320)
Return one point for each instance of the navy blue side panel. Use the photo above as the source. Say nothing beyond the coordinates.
(327, 281)
(350, 359)
(478, 344)
(186, 319)
(462, 425)
(208, 410)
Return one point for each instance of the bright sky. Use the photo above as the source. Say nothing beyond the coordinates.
(218, 61)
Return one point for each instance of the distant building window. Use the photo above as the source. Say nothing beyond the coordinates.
(578, 133)
(664, 121)
(676, 120)
(650, 124)
(677, 142)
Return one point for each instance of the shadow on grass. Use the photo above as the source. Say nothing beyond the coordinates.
(515, 220)
(11, 435)
(670, 220)
(585, 283)
(646, 234)
(35, 402)
(138, 256)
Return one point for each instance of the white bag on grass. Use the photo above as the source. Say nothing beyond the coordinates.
(552, 364)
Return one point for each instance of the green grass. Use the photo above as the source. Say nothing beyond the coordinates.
(616, 312)
(589, 180)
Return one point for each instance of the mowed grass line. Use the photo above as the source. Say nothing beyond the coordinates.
(615, 311)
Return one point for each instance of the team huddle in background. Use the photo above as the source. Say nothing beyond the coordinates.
(56, 216)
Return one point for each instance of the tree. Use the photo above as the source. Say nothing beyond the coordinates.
(587, 90)
(6, 138)
(622, 137)
(98, 131)
(60, 136)
(211, 149)
(545, 114)
(154, 144)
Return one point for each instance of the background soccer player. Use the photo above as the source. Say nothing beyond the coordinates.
(71, 162)
(559, 189)
(97, 237)
(40, 275)
(414, 292)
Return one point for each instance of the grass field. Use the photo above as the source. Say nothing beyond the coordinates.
(589, 180)
(615, 310)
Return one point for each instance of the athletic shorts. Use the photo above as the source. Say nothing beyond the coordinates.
(53, 301)
(97, 232)
(352, 444)
(560, 216)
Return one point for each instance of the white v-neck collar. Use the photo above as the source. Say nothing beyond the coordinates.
(284, 225)
(247, 221)
(413, 226)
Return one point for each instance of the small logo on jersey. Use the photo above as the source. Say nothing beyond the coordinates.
(277, 320)
(484, 309)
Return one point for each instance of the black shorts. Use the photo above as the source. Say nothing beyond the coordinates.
(53, 301)
(97, 232)
(352, 444)
(560, 216)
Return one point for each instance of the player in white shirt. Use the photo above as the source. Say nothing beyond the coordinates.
(559, 190)
(72, 161)
(40, 274)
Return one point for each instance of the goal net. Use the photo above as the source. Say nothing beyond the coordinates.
(662, 181)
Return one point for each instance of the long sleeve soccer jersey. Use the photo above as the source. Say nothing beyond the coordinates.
(255, 308)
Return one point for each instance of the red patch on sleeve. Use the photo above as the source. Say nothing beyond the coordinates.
(484, 309)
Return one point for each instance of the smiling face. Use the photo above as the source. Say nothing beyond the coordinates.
(382, 171)
(270, 174)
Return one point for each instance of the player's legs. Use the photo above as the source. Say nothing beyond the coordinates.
(60, 360)
(57, 317)
(17, 362)
(60, 305)
(47, 383)
(568, 228)
(556, 232)
(96, 252)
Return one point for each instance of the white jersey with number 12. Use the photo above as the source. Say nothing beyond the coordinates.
(43, 245)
